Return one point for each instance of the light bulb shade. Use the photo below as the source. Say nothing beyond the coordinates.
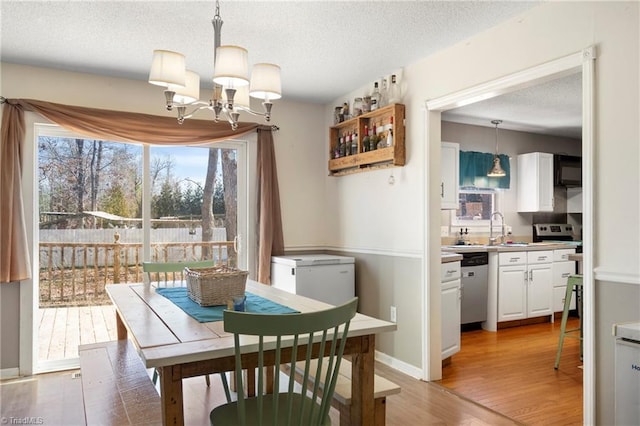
(190, 92)
(241, 98)
(496, 170)
(167, 68)
(265, 82)
(232, 66)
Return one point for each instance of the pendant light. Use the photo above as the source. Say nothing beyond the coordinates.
(496, 170)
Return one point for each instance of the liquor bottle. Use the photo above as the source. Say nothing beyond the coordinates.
(395, 96)
(373, 138)
(365, 140)
(382, 138)
(375, 97)
(389, 141)
(354, 143)
(342, 152)
(384, 94)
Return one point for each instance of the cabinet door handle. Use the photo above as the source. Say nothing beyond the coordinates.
(442, 190)
(531, 276)
(526, 276)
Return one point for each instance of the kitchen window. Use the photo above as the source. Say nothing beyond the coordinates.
(475, 207)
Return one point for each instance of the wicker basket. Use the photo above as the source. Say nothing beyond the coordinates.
(214, 286)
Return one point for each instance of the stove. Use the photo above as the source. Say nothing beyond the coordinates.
(551, 232)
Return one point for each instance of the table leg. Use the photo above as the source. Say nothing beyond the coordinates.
(171, 396)
(120, 328)
(362, 376)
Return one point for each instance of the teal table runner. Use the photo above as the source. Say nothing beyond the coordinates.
(254, 303)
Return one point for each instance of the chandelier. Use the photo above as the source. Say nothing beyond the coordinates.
(232, 86)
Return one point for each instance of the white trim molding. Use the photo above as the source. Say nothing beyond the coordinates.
(616, 277)
(396, 364)
(9, 373)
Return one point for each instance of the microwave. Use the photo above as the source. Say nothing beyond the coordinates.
(567, 170)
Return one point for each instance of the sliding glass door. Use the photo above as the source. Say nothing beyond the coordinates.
(104, 207)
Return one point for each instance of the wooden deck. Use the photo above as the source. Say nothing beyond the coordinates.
(61, 330)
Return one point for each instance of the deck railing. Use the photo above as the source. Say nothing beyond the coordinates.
(77, 273)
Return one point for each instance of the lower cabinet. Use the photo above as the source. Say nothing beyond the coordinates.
(525, 286)
(450, 308)
(562, 269)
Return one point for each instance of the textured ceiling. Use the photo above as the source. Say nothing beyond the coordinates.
(325, 48)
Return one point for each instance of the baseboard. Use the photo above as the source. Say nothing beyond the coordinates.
(9, 373)
(401, 366)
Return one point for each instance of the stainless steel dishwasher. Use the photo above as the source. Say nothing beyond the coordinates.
(474, 286)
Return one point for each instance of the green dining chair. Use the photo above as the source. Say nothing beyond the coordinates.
(171, 274)
(276, 337)
(166, 273)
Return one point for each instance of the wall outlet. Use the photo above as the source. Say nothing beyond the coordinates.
(392, 314)
(444, 231)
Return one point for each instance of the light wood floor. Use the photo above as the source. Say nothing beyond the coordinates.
(61, 330)
(509, 372)
(512, 372)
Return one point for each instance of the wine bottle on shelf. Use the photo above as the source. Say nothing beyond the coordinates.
(373, 138)
(375, 97)
(365, 140)
(389, 141)
(384, 94)
(382, 139)
(395, 97)
(342, 152)
(354, 143)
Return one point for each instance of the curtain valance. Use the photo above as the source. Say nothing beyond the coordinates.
(474, 167)
(123, 127)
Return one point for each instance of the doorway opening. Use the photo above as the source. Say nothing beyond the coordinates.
(578, 62)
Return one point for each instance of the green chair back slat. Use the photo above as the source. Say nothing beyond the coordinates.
(282, 340)
(171, 272)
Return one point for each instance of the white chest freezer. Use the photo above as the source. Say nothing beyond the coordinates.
(328, 278)
(627, 371)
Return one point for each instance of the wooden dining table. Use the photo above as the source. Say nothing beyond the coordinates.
(179, 347)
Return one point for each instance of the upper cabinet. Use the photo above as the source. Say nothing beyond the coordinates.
(535, 182)
(450, 163)
(350, 151)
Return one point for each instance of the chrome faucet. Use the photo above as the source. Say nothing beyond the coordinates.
(492, 240)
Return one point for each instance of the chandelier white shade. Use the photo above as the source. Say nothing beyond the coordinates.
(232, 86)
(188, 93)
(265, 82)
(232, 66)
(167, 68)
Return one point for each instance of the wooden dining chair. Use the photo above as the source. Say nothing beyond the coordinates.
(277, 337)
(171, 274)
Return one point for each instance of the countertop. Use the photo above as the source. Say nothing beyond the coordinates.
(450, 257)
(506, 247)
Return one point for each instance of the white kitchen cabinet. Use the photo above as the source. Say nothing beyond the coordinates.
(535, 182)
(562, 268)
(450, 308)
(525, 288)
(574, 200)
(450, 170)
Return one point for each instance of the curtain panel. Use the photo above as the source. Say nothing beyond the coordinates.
(115, 126)
(474, 167)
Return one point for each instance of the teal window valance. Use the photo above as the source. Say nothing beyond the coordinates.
(474, 167)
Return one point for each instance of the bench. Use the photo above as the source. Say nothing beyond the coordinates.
(116, 389)
(342, 395)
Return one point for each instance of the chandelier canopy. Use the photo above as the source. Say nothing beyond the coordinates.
(232, 86)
